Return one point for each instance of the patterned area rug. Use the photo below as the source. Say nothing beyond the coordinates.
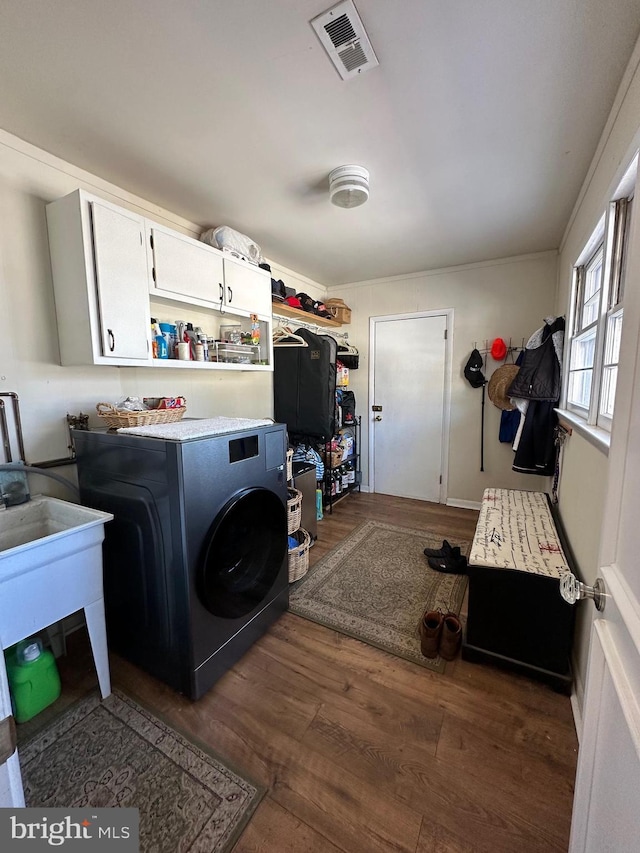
(113, 753)
(376, 585)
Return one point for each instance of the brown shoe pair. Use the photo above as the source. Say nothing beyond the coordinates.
(440, 633)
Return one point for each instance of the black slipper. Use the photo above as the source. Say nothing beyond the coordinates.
(450, 565)
(446, 551)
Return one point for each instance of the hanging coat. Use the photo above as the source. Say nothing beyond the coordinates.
(539, 382)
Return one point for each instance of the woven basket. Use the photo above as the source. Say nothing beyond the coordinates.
(294, 510)
(289, 464)
(299, 556)
(115, 418)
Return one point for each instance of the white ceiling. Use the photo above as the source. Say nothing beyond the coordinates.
(477, 127)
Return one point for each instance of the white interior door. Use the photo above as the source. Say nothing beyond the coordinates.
(606, 810)
(408, 389)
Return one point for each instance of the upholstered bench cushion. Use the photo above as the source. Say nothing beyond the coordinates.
(516, 530)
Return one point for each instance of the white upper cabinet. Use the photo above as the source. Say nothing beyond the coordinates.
(182, 268)
(99, 265)
(113, 270)
(246, 287)
(187, 270)
(121, 269)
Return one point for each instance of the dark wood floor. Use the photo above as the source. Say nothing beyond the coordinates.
(361, 751)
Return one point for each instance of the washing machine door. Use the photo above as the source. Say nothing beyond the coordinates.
(243, 553)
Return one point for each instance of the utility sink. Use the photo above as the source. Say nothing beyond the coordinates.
(50, 567)
(43, 528)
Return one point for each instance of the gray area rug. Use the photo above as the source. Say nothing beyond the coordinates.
(112, 752)
(376, 585)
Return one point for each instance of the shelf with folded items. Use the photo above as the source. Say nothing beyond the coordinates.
(281, 310)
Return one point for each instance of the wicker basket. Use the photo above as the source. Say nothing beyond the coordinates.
(299, 555)
(294, 510)
(115, 418)
(289, 464)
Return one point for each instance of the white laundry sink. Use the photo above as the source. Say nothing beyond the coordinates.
(43, 529)
(50, 567)
(50, 564)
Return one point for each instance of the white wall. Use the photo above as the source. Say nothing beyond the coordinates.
(585, 469)
(29, 357)
(506, 298)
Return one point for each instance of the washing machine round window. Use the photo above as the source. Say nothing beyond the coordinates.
(243, 554)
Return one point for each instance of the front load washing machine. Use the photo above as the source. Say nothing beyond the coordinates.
(195, 560)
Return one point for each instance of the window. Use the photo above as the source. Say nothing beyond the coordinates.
(596, 324)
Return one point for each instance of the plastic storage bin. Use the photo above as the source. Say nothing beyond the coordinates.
(33, 676)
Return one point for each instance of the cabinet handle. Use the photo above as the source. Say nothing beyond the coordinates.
(112, 340)
(220, 285)
(153, 273)
(230, 295)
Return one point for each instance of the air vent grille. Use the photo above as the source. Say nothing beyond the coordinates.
(340, 31)
(352, 57)
(344, 38)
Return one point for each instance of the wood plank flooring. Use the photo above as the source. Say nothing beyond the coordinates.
(364, 752)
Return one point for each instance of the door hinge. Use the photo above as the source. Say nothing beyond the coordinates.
(8, 741)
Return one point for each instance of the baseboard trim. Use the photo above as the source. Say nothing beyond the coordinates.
(463, 504)
(577, 714)
(577, 698)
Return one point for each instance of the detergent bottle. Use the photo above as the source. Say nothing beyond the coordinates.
(33, 676)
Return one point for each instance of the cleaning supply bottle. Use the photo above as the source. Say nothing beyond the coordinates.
(154, 343)
(33, 677)
(158, 341)
(192, 339)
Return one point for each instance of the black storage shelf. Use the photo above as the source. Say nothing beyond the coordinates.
(328, 499)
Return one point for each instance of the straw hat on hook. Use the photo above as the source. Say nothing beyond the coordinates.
(500, 380)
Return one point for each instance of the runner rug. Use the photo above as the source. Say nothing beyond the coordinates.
(376, 585)
(112, 752)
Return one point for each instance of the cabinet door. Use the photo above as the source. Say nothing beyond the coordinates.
(185, 268)
(247, 287)
(121, 277)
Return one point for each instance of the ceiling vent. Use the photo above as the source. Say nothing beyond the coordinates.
(344, 38)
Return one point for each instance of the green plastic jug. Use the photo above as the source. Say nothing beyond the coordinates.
(33, 676)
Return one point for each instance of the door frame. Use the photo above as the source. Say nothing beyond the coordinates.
(448, 314)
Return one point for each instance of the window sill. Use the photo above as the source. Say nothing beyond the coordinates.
(600, 438)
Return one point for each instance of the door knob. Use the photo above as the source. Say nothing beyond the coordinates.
(378, 417)
(572, 590)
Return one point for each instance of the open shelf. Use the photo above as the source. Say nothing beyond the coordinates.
(282, 310)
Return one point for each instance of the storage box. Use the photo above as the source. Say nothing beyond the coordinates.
(236, 353)
(338, 310)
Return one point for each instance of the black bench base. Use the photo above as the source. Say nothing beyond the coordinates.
(560, 683)
(518, 620)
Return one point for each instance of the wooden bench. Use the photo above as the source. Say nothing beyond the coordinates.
(516, 616)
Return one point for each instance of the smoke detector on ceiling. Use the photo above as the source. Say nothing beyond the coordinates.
(344, 38)
(349, 186)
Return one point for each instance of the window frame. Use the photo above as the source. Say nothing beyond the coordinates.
(609, 240)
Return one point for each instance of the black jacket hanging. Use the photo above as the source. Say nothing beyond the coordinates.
(539, 375)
